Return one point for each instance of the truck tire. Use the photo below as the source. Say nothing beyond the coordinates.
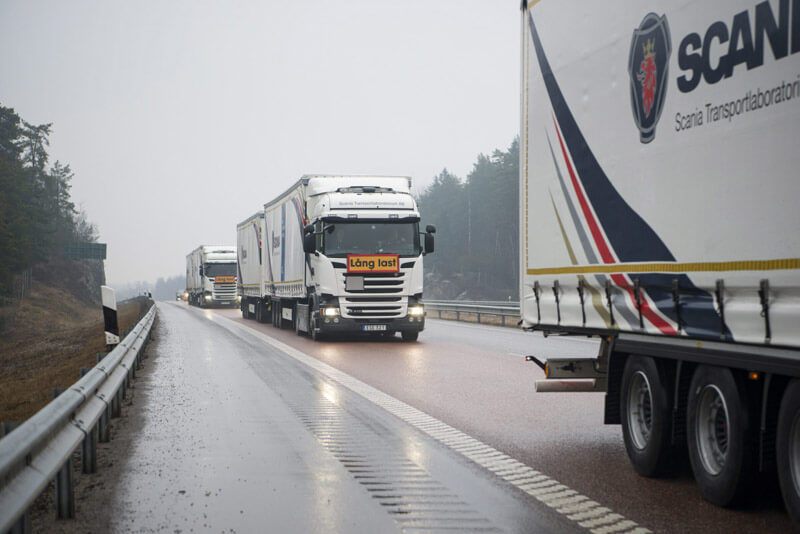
(721, 436)
(245, 315)
(409, 335)
(312, 331)
(297, 324)
(788, 449)
(645, 411)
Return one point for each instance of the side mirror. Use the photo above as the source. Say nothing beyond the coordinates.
(200, 270)
(429, 241)
(309, 243)
(431, 229)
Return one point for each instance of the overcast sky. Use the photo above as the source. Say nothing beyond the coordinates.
(182, 118)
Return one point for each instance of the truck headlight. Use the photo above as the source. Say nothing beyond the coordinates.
(416, 311)
(208, 297)
(331, 312)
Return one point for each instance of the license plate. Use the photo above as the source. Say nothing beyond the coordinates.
(373, 327)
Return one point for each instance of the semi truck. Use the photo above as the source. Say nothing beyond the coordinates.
(658, 212)
(211, 276)
(336, 254)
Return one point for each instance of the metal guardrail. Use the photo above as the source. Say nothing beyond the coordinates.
(41, 448)
(500, 309)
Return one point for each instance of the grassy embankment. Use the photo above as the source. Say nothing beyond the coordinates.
(53, 337)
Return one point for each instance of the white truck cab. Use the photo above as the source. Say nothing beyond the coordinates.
(339, 254)
(211, 276)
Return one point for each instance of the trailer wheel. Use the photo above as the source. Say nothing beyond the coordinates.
(720, 436)
(645, 409)
(788, 453)
(245, 315)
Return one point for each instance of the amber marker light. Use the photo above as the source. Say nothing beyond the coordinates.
(753, 375)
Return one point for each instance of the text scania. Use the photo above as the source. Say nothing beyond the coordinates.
(743, 43)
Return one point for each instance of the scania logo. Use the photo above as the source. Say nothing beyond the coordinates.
(647, 66)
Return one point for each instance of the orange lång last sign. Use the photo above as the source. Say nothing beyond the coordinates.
(373, 263)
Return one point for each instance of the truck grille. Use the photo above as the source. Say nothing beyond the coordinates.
(380, 298)
(224, 291)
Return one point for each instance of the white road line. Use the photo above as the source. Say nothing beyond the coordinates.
(565, 501)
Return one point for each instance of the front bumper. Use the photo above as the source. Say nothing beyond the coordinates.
(340, 324)
(221, 303)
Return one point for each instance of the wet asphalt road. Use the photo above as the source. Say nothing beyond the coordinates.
(240, 449)
(236, 436)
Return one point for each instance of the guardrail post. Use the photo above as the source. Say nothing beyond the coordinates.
(479, 317)
(115, 404)
(458, 315)
(7, 426)
(103, 434)
(22, 525)
(65, 497)
(89, 452)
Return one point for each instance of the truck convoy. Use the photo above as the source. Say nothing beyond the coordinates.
(658, 210)
(211, 276)
(336, 254)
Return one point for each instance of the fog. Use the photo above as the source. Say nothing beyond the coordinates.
(182, 118)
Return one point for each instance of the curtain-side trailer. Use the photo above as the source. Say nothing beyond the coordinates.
(336, 254)
(658, 211)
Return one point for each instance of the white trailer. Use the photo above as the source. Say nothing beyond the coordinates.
(658, 210)
(336, 254)
(211, 276)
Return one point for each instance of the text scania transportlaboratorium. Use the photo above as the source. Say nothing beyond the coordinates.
(753, 100)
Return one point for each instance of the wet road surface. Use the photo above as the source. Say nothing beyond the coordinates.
(473, 377)
(237, 434)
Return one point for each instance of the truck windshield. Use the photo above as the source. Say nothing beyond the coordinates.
(372, 238)
(219, 269)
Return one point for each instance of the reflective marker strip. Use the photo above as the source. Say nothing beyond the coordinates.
(567, 502)
(781, 264)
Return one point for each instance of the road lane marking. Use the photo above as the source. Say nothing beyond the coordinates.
(578, 508)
